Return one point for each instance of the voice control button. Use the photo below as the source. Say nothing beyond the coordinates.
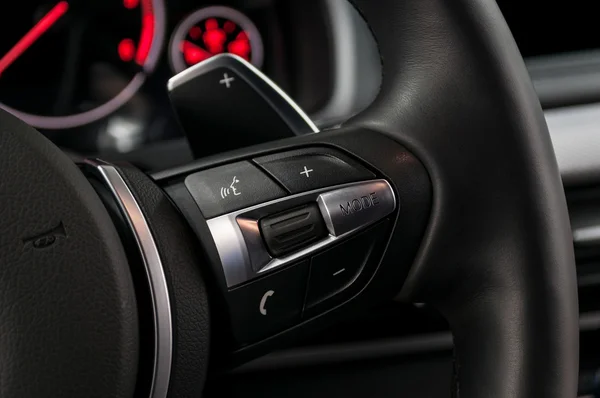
(231, 187)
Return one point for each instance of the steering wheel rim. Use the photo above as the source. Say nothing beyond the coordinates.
(494, 253)
(456, 92)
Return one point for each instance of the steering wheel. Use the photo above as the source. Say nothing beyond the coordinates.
(116, 284)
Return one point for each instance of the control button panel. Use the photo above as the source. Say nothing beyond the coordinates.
(231, 187)
(260, 239)
(293, 229)
(268, 305)
(353, 207)
(307, 169)
(290, 254)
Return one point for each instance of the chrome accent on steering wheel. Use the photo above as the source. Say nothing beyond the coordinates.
(161, 306)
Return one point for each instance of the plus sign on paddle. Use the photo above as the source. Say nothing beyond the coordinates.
(227, 80)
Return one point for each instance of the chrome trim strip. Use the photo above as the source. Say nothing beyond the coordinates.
(163, 338)
(289, 111)
(240, 246)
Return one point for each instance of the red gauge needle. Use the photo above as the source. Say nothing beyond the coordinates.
(194, 54)
(38, 30)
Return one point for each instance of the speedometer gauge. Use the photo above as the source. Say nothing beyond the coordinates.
(211, 31)
(71, 62)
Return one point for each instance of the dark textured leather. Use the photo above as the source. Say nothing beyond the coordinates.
(68, 316)
(182, 261)
(498, 257)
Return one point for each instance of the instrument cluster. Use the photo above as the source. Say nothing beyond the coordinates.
(92, 74)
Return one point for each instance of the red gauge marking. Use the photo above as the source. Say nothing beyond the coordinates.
(229, 27)
(126, 50)
(240, 47)
(211, 24)
(30, 37)
(147, 35)
(131, 4)
(195, 32)
(193, 53)
(214, 40)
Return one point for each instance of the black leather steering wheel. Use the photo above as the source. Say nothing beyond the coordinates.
(107, 275)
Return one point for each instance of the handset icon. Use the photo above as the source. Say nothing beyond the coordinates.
(263, 302)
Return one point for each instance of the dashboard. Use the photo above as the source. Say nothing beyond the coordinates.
(92, 74)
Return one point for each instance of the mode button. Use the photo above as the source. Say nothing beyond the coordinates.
(356, 206)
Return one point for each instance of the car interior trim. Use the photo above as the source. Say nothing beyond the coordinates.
(355, 59)
(163, 337)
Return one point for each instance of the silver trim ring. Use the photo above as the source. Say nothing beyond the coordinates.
(163, 338)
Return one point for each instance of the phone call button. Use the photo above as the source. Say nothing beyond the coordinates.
(268, 305)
